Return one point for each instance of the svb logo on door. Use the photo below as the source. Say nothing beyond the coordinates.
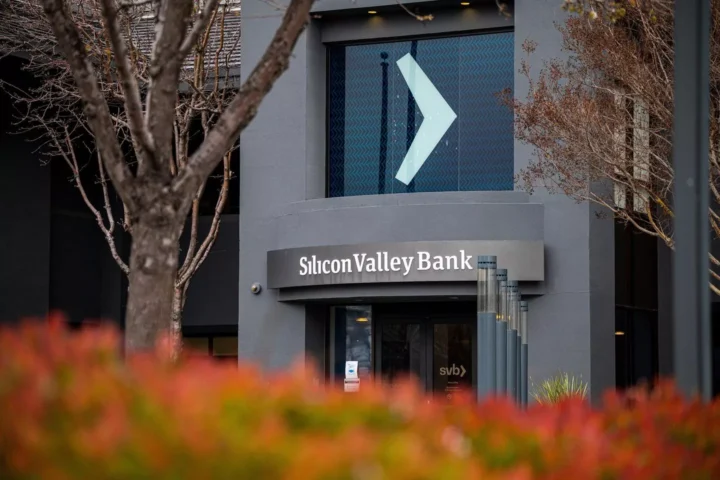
(453, 370)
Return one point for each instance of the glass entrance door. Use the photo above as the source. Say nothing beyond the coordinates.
(435, 345)
(402, 351)
(452, 358)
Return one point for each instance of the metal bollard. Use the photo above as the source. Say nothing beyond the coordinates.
(511, 339)
(486, 317)
(524, 353)
(501, 328)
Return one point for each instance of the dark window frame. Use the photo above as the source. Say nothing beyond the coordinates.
(626, 374)
(375, 41)
(210, 333)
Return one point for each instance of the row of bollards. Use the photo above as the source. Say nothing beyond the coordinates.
(502, 334)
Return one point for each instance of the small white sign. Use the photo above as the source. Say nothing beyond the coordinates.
(352, 385)
(351, 370)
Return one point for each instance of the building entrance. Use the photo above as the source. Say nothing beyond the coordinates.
(434, 343)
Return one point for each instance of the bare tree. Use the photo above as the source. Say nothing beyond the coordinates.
(139, 92)
(54, 108)
(606, 115)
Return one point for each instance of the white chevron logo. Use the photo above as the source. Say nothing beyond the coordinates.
(438, 118)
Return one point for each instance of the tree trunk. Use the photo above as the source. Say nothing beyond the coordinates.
(153, 267)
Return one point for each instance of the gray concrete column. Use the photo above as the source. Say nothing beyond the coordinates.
(281, 162)
(573, 323)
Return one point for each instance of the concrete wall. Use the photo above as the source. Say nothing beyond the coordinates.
(572, 326)
(282, 205)
(212, 297)
(25, 214)
(283, 152)
(280, 165)
(53, 256)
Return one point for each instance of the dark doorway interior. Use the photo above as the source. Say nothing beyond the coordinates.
(636, 311)
(434, 343)
(716, 348)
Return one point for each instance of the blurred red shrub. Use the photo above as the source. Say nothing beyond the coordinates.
(71, 407)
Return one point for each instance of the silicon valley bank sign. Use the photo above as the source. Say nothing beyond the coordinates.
(384, 262)
(401, 262)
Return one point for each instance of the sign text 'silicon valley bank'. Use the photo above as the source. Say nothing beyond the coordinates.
(382, 261)
(401, 262)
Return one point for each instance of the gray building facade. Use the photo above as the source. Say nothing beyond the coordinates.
(286, 202)
(378, 168)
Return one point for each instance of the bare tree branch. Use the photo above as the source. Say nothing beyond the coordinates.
(71, 159)
(418, 17)
(199, 27)
(133, 104)
(244, 106)
(198, 258)
(606, 113)
(158, 121)
(106, 196)
(95, 107)
(165, 65)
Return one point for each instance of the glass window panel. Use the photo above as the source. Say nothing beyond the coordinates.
(622, 362)
(226, 359)
(716, 347)
(352, 339)
(452, 358)
(374, 118)
(643, 346)
(358, 338)
(402, 352)
(196, 345)
(225, 346)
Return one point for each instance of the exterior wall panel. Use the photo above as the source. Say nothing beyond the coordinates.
(283, 175)
(571, 327)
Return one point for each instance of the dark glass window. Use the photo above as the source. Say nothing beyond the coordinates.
(420, 116)
(351, 334)
(402, 351)
(636, 309)
(716, 348)
(636, 351)
(222, 348)
(452, 358)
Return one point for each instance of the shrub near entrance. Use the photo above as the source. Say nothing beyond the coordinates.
(71, 407)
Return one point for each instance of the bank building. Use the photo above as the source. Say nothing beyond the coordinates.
(379, 167)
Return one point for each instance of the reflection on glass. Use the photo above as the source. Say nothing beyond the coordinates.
(401, 350)
(373, 117)
(225, 346)
(352, 339)
(196, 345)
(358, 338)
(452, 358)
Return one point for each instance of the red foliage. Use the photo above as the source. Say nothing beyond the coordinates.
(71, 407)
